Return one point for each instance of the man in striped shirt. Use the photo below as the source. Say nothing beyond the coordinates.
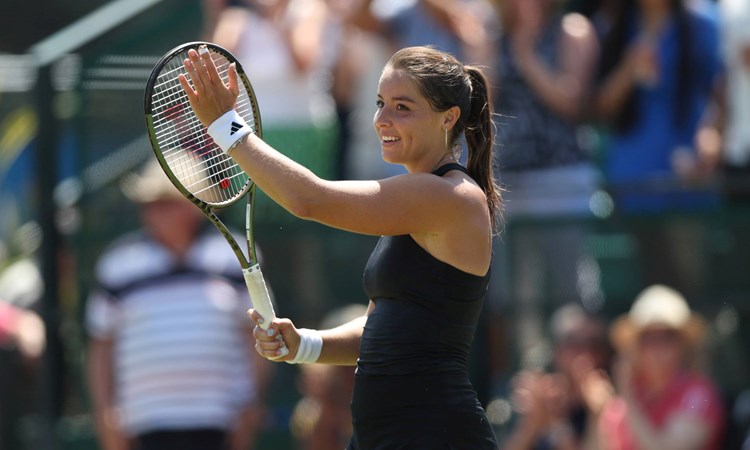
(170, 359)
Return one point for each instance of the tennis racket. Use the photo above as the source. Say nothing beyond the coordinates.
(198, 167)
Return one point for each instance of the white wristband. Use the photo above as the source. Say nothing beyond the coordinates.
(228, 129)
(310, 345)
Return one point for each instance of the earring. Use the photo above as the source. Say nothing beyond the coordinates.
(446, 137)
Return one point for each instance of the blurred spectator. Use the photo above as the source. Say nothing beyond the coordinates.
(322, 418)
(554, 413)
(350, 58)
(604, 15)
(287, 53)
(22, 342)
(663, 401)
(544, 67)
(458, 27)
(659, 66)
(170, 359)
(726, 132)
(586, 7)
(23, 330)
(739, 436)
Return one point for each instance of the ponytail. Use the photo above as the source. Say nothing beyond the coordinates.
(480, 132)
(445, 82)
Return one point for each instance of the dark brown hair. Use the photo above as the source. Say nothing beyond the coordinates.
(445, 82)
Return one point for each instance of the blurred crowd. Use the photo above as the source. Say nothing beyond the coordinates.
(634, 108)
(629, 107)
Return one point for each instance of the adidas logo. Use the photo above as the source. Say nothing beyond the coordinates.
(235, 128)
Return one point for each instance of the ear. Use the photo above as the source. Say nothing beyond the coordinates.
(450, 117)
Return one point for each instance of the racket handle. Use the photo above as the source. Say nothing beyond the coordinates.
(256, 286)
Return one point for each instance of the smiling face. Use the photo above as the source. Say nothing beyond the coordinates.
(411, 132)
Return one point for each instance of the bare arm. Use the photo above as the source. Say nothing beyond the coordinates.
(102, 391)
(615, 91)
(305, 35)
(340, 344)
(637, 67)
(564, 90)
(212, 10)
(710, 135)
(466, 24)
(228, 29)
(363, 18)
(412, 203)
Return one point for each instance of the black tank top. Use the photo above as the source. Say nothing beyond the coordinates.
(426, 310)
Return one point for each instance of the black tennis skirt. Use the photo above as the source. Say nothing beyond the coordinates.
(418, 412)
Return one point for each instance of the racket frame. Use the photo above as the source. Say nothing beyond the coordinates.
(250, 267)
(251, 259)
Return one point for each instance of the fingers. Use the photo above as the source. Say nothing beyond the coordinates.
(197, 71)
(255, 316)
(208, 64)
(269, 343)
(270, 333)
(202, 65)
(187, 87)
(233, 86)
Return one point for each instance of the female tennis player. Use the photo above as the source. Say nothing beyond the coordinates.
(426, 278)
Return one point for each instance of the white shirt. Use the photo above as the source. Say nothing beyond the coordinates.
(181, 357)
(286, 96)
(735, 26)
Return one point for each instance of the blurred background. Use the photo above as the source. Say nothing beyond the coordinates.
(72, 78)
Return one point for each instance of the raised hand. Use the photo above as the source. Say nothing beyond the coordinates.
(209, 96)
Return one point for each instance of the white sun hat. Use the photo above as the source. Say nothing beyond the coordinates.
(658, 306)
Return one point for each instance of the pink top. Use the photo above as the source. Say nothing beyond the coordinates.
(8, 321)
(688, 394)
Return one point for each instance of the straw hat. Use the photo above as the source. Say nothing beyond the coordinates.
(661, 307)
(150, 184)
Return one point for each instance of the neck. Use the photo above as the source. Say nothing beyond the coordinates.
(658, 383)
(445, 159)
(178, 244)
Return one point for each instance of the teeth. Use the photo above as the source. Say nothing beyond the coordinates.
(389, 138)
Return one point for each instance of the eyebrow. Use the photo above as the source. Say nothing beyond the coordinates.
(400, 99)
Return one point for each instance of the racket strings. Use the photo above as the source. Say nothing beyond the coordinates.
(196, 162)
(175, 105)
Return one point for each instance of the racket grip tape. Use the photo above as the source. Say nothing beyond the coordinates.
(260, 298)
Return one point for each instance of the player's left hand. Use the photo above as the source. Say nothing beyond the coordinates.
(273, 342)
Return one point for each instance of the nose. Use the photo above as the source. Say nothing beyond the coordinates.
(380, 119)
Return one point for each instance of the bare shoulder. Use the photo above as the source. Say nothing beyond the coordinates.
(466, 197)
(464, 238)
